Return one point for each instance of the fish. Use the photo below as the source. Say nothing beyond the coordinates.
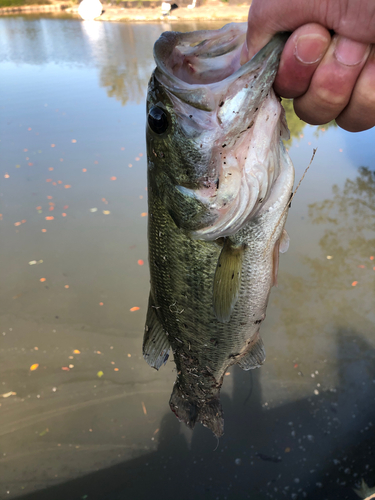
(219, 187)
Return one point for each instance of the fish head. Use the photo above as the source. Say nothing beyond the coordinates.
(213, 128)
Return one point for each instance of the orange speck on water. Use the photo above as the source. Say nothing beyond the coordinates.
(84, 170)
(49, 217)
(115, 369)
(48, 180)
(50, 169)
(54, 184)
(361, 266)
(42, 280)
(49, 197)
(30, 164)
(66, 286)
(74, 141)
(53, 145)
(129, 355)
(227, 373)
(355, 283)
(143, 214)
(65, 368)
(101, 303)
(76, 351)
(6, 176)
(140, 154)
(51, 208)
(340, 150)
(61, 159)
(34, 366)
(122, 149)
(67, 186)
(113, 178)
(17, 223)
(29, 129)
(132, 309)
(130, 165)
(96, 162)
(137, 159)
(39, 208)
(63, 214)
(372, 257)
(104, 201)
(140, 262)
(59, 182)
(23, 221)
(51, 203)
(144, 408)
(1, 216)
(65, 207)
(295, 365)
(44, 230)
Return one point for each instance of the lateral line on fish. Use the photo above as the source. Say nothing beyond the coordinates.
(290, 200)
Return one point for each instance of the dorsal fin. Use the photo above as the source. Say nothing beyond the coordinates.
(155, 341)
(227, 280)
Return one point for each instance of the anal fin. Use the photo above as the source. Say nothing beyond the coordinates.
(155, 341)
(254, 357)
(227, 280)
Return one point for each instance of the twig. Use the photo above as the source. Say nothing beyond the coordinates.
(291, 198)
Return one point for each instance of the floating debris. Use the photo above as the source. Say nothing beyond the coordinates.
(100, 374)
(34, 367)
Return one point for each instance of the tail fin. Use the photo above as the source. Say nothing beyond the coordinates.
(210, 413)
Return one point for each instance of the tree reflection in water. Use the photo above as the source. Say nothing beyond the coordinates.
(338, 289)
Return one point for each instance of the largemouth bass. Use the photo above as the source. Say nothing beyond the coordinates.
(219, 185)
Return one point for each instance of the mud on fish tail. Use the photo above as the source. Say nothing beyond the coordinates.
(210, 413)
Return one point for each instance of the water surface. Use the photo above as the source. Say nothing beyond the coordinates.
(92, 420)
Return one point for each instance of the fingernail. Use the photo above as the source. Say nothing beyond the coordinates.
(310, 49)
(349, 52)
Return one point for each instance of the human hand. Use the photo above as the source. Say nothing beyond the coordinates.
(328, 77)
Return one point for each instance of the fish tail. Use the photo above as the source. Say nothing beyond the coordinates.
(209, 413)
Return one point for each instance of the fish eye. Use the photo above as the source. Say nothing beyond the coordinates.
(157, 120)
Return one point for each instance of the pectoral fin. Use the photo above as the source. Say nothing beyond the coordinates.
(227, 280)
(254, 357)
(284, 241)
(155, 341)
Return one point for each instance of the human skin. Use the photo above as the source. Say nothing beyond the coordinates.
(328, 76)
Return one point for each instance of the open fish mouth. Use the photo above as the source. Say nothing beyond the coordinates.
(240, 118)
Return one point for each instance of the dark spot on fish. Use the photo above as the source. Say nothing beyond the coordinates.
(156, 263)
(260, 200)
(257, 321)
(290, 200)
(268, 458)
(246, 86)
(224, 162)
(255, 76)
(233, 275)
(230, 173)
(185, 325)
(223, 145)
(221, 104)
(217, 184)
(256, 109)
(201, 146)
(190, 116)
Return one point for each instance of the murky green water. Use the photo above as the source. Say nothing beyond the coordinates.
(92, 419)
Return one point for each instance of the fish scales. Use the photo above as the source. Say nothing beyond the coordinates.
(218, 191)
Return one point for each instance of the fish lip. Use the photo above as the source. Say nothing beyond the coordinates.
(208, 96)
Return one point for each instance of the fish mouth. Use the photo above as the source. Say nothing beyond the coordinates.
(202, 70)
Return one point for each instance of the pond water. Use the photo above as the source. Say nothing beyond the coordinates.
(82, 416)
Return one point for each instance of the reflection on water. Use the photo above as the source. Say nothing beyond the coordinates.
(92, 419)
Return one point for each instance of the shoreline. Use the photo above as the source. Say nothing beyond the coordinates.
(212, 10)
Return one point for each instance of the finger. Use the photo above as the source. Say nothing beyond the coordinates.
(333, 81)
(359, 114)
(301, 56)
(267, 17)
